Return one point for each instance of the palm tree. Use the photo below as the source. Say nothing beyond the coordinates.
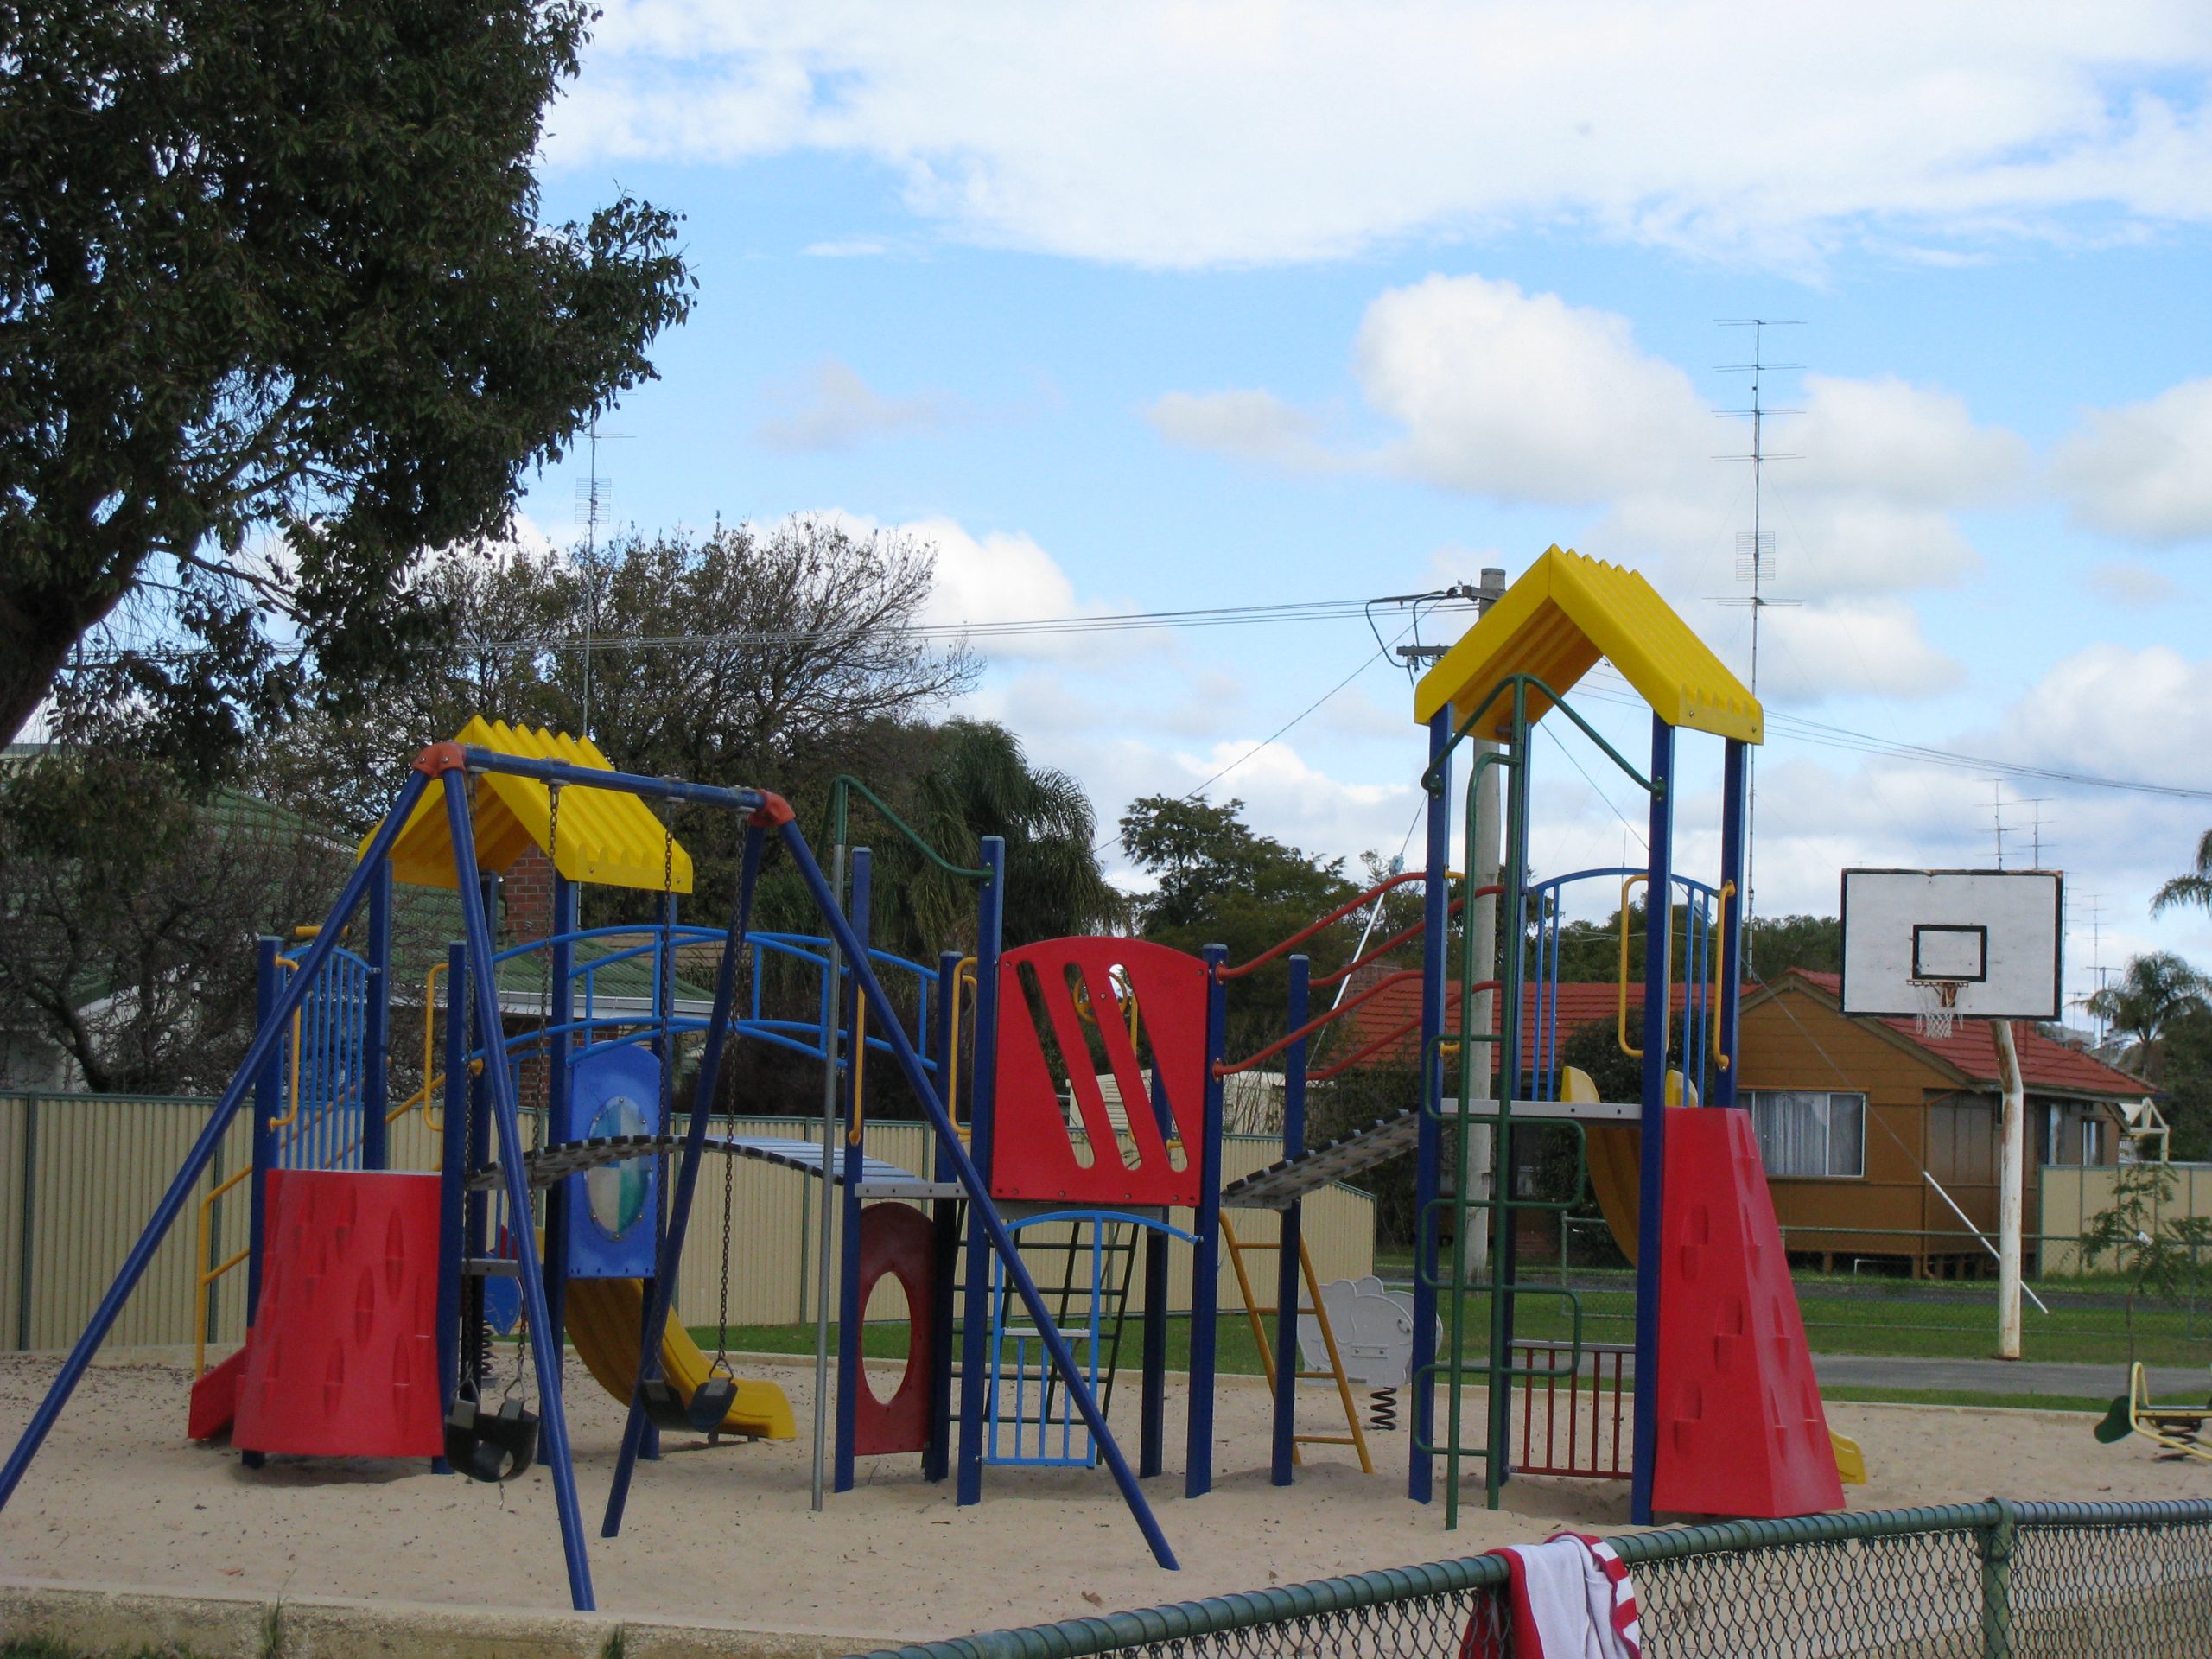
(977, 783)
(2194, 887)
(2153, 991)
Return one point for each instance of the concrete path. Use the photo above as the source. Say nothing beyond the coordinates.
(2185, 1384)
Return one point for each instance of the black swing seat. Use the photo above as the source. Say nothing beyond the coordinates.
(702, 1413)
(490, 1445)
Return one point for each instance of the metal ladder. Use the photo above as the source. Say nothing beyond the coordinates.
(1253, 1310)
(1097, 1324)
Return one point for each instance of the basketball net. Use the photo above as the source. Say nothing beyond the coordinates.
(1939, 1006)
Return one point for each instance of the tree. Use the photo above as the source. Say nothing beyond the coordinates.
(2192, 886)
(277, 315)
(2153, 991)
(1220, 882)
(127, 912)
(2153, 1256)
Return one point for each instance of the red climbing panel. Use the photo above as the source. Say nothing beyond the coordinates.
(344, 1357)
(1741, 1429)
(1032, 1153)
(900, 1241)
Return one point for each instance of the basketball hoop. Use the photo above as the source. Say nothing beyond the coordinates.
(1939, 1006)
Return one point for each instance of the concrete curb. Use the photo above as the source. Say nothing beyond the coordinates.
(96, 1618)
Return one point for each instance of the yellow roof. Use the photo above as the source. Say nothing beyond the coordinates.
(1563, 613)
(608, 836)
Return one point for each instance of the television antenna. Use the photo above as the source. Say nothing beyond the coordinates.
(1754, 561)
(595, 496)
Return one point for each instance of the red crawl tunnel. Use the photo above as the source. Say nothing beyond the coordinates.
(899, 1241)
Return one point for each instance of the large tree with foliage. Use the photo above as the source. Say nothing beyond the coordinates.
(2152, 992)
(276, 313)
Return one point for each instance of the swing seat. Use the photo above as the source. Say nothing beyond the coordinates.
(665, 1408)
(710, 1403)
(491, 1447)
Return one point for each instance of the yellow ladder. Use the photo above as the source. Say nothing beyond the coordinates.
(1357, 1438)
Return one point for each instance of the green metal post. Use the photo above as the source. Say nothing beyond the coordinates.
(1996, 1542)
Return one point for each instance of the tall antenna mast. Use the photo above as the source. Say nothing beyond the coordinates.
(594, 492)
(1755, 551)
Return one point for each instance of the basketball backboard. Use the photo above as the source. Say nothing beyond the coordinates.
(1991, 936)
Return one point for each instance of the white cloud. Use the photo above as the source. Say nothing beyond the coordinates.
(1526, 399)
(1250, 426)
(2117, 712)
(1850, 647)
(832, 408)
(1165, 132)
(2125, 582)
(2144, 471)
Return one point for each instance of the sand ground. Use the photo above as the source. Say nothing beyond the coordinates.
(119, 1497)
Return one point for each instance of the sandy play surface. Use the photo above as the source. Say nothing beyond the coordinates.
(119, 1497)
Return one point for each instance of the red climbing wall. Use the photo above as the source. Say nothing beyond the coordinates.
(1033, 1154)
(344, 1357)
(1741, 1429)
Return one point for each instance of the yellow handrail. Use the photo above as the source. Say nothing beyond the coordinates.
(964, 973)
(208, 1276)
(429, 1039)
(293, 1114)
(1620, 1031)
(1720, 964)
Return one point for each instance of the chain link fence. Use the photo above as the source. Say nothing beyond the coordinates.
(1991, 1580)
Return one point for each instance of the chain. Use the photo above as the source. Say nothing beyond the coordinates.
(722, 1318)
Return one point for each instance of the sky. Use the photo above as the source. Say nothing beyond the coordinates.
(1161, 307)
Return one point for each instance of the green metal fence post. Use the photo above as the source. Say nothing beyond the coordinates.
(1996, 1542)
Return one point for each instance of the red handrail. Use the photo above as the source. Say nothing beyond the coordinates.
(1329, 920)
(1223, 1069)
(1345, 1065)
(1413, 932)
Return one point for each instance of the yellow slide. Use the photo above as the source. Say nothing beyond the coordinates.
(604, 1315)
(1614, 1154)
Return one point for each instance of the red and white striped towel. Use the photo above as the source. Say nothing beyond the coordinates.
(1567, 1598)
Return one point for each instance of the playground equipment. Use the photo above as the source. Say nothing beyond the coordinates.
(1367, 1332)
(2178, 1431)
(1094, 1077)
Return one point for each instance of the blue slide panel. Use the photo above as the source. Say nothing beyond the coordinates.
(612, 1092)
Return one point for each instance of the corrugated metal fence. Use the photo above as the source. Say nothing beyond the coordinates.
(80, 1174)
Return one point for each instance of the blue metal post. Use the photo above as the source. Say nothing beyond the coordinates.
(1436, 914)
(560, 966)
(661, 1286)
(1286, 1256)
(1205, 1255)
(185, 1182)
(267, 1107)
(546, 1353)
(976, 1302)
(452, 1168)
(850, 1379)
(1735, 764)
(1651, 1184)
(376, 1023)
(937, 1457)
(981, 1210)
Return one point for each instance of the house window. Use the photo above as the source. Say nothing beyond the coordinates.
(1809, 1131)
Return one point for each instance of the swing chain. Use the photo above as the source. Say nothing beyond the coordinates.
(722, 1318)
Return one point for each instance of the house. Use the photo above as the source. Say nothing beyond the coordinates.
(1879, 1143)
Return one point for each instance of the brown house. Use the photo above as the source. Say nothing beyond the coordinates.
(1855, 1115)
(1865, 1125)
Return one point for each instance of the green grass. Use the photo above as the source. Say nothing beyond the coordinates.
(1238, 1356)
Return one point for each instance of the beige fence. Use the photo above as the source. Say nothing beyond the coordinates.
(2073, 1193)
(80, 1174)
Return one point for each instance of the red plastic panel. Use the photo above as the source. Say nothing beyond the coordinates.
(215, 1396)
(900, 1241)
(1741, 1427)
(1032, 1155)
(344, 1357)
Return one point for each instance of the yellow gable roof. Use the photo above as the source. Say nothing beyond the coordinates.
(608, 836)
(1563, 613)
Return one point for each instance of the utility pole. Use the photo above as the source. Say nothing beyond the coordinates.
(1755, 560)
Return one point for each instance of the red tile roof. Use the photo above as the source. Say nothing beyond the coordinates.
(1388, 1021)
(1971, 1048)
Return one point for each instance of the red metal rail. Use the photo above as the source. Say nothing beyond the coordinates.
(1585, 1411)
(1311, 928)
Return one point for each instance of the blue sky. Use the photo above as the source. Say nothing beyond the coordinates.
(1162, 305)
